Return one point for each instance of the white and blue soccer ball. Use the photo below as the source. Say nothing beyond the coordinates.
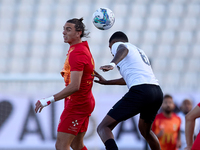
(103, 18)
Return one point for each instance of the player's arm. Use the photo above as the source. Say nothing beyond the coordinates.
(189, 126)
(108, 82)
(74, 86)
(121, 53)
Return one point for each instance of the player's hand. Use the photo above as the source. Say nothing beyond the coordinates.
(43, 102)
(101, 79)
(38, 106)
(106, 68)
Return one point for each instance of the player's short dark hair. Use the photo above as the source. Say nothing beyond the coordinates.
(167, 96)
(79, 26)
(119, 36)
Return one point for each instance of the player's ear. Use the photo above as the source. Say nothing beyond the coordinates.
(78, 33)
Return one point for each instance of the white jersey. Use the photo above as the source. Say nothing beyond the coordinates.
(135, 68)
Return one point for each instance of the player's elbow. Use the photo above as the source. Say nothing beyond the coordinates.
(189, 117)
(75, 88)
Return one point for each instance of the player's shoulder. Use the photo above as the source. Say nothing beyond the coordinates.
(159, 116)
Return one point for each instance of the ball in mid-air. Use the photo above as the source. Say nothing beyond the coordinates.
(103, 18)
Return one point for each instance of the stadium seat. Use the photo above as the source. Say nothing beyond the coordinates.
(40, 37)
(176, 9)
(193, 9)
(185, 37)
(17, 65)
(189, 81)
(35, 65)
(149, 37)
(5, 37)
(4, 65)
(172, 23)
(154, 23)
(171, 81)
(193, 65)
(120, 10)
(78, 12)
(195, 51)
(56, 37)
(19, 51)
(138, 10)
(159, 64)
(37, 51)
(21, 37)
(180, 51)
(4, 51)
(176, 65)
(157, 9)
(167, 37)
(163, 51)
(56, 51)
(135, 24)
(189, 23)
(54, 65)
(134, 36)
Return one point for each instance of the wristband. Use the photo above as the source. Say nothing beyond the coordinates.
(47, 101)
(112, 64)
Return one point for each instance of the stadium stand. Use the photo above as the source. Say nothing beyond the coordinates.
(168, 31)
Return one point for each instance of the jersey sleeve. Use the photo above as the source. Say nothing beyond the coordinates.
(114, 47)
(77, 61)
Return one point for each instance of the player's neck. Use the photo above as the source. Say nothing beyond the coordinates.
(75, 42)
(168, 115)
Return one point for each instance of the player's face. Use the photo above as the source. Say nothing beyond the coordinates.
(186, 106)
(168, 105)
(111, 43)
(70, 35)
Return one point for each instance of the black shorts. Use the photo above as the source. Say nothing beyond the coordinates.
(145, 99)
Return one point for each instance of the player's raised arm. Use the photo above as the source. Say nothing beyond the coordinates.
(122, 52)
(108, 82)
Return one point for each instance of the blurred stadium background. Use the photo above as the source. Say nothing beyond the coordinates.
(32, 51)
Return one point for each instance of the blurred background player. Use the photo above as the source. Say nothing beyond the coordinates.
(186, 107)
(79, 100)
(189, 129)
(144, 95)
(166, 125)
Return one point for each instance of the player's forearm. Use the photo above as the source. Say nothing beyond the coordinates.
(115, 82)
(67, 91)
(189, 130)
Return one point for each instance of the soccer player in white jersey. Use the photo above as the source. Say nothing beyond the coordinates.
(144, 96)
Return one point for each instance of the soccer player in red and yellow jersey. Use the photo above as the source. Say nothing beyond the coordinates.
(79, 100)
(166, 126)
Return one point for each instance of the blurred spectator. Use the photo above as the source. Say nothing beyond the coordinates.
(185, 107)
(166, 125)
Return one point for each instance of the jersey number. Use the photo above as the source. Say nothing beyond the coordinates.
(144, 57)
